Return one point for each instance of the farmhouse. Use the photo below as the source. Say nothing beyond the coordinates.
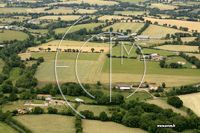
(157, 58)
(79, 100)
(143, 85)
(153, 87)
(20, 111)
(39, 96)
(57, 102)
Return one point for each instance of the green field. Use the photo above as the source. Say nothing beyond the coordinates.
(14, 75)
(11, 35)
(9, 20)
(78, 27)
(94, 108)
(66, 55)
(92, 126)
(4, 128)
(177, 59)
(88, 71)
(195, 3)
(154, 30)
(72, 98)
(133, 1)
(130, 12)
(134, 27)
(41, 31)
(1, 65)
(48, 123)
(185, 48)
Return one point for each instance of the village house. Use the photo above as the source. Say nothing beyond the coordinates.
(39, 96)
(57, 102)
(143, 85)
(156, 57)
(153, 87)
(79, 100)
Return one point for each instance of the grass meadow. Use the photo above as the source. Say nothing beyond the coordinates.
(185, 48)
(92, 126)
(191, 101)
(78, 27)
(162, 6)
(11, 35)
(1, 65)
(14, 75)
(48, 123)
(165, 105)
(154, 30)
(4, 128)
(94, 108)
(134, 27)
(177, 59)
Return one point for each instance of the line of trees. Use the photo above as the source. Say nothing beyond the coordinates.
(194, 60)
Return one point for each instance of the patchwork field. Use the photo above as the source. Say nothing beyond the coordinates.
(164, 105)
(85, 11)
(98, 2)
(192, 101)
(110, 17)
(94, 108)
(92, 126)
(48, 123)
(11, 35)
(78, 27)
(134, 27)
(185, 48)
(162, 6)
(131, 12)
(4, 128)
(9, 20)
(189, 24)
(154, 30)
(68, 17)
(196, 55)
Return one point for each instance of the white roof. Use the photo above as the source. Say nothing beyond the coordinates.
(125, 88)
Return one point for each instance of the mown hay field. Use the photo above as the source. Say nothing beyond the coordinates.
(11, 35)
(86, 11)
(191, 101)
(155, 30)
(164, 105)
(55, 11)
(196, 55)
(131, 12)
(9, 20)
(48, 123)
(134, 27)
(84, 49)
(92, 2)
(189, 24)
(94, 108)
(68, 17)
(133, 1)
(24, 56)
(66, 55)
(11, 10)
(92, 126)
(4, 128)
(75, 44)
(162, 6)
(90, 26)
(185, 48)
(110, 17)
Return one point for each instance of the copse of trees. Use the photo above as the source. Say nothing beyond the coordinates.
(175, 101)
(78, 124)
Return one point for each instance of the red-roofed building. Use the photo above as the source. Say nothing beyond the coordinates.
(153, 87)
(20, 111)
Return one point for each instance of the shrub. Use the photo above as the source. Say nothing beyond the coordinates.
(103, 116)
(175, 101)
